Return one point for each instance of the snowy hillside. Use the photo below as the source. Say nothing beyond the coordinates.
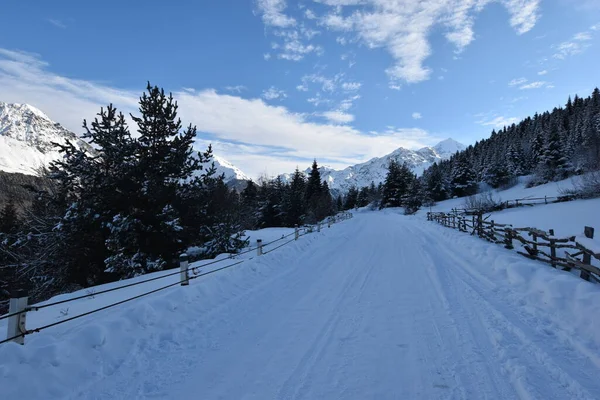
(382, 306)
(27, 136)
(375, 170)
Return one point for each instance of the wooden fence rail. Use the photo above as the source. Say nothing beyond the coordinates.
(573, 252)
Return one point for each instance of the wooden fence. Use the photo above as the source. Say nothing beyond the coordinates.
(579, 253)
(532, 201)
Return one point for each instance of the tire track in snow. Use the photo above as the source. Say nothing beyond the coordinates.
(511, 335)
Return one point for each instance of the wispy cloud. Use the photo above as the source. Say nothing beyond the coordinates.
(534, 85)
(338, 117)
(273, 13)
(294, 38)
(236, 89)
(403, 27)
(544, 72)
(498, 122)
(255, 135)
(524, 84)
(417, 115)
(57, 23)
(351, 86)
(576, 45)
(273, 93)
(517, 82)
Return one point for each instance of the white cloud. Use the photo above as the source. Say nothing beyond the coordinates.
(327, 84)
(395, 86)
(544, 72)
(309, 14)
(273, 93)
(417, 115)
(499, 122)
(595, 27)
(301, 88)
(534, 85)
(338, 117)
(517, 82)
(272, 12)
(351, 86)
(576, 45)
(236, 89)
(57, 23)
(256, 134)
(403, 27)
(267, 56)
(348, 102)
(582, 36)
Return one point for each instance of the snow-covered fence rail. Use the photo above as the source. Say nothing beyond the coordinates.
(19, 308)
(575, 252)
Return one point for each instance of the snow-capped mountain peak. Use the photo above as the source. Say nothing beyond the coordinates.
(447, 148)
(27, 137)
(230, 171)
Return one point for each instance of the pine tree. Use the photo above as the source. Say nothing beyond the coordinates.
(363, 199)
(150, 236)
(463, 178)
(351, 198)
(554, 164)
(295, 205)
(339, 203)
(249, 206)
(395, 187)
(9, 219)
(313, 194)
(414, 197)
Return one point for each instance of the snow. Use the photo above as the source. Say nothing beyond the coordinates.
(382, 306)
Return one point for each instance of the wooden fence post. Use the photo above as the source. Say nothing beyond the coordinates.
(480, 224)
(16, 323)
(259, 248)
(508, 238)
(319, 226)
(535, 247)
(296, 233)
(183, 267)
(587, 258)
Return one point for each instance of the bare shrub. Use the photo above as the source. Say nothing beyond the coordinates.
(484, 202)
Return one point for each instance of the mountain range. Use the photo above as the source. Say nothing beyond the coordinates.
(375, 169)
(27, 136)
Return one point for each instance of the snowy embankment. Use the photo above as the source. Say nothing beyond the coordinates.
(567, 219)
(379, 306)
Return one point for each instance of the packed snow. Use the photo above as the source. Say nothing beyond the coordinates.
(382, 306)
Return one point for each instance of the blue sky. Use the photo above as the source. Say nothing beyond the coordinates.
(275, 83)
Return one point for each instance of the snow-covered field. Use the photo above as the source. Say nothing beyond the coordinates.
(382, 306)
(567, 219)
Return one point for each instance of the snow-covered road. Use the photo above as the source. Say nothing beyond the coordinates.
(379, 307)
